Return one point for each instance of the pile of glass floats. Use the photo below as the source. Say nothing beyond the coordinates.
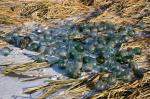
(85, 47)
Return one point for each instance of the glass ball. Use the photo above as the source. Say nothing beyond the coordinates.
(5, 51)
(73, 68)
(61, 52)
(34, 46)
(79, 47)
(136, 51)
(40, 58)
(52, 59)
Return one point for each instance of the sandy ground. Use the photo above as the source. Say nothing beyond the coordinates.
(12, 87)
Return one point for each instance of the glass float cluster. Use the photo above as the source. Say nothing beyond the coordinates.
(86, 47)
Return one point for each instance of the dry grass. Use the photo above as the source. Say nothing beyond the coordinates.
(3, 44)
(121, 12)
(143, 59)
(52, 10)
(140, 90)
(21, 69)
(76, 88)
(125, 12)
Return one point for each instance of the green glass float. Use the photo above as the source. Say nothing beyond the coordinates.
(136, 51)
(5, 51)
(35, 46)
